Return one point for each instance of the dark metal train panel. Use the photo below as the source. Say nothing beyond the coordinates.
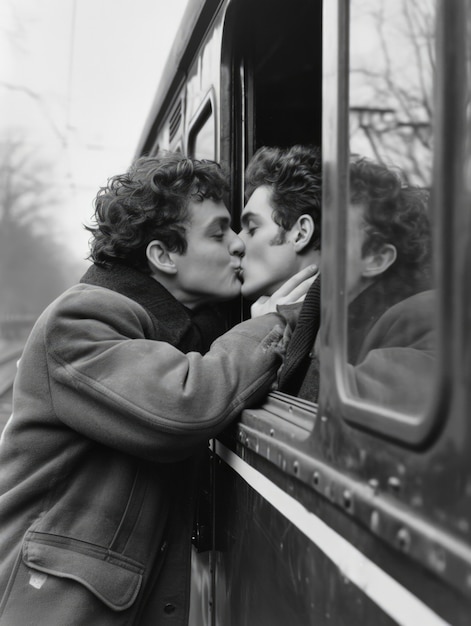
(282, 563)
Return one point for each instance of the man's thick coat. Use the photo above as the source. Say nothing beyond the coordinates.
(96, 461)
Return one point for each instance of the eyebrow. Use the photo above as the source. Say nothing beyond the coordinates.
(218, 222)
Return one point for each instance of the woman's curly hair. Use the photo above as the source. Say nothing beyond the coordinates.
(294, 177)
(150, 201)
(394, 213)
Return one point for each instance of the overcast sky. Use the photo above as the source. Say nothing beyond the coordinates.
(77, 79)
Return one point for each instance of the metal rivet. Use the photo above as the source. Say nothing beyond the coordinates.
(438, 559)
(374, 521)
(169, 609)
(394, 483)
(316, 479)
(403, 539)
(347, 499)
(295, 467)
(272, 432)
(374, 484)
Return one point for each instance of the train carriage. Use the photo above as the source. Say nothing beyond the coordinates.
(350, 511)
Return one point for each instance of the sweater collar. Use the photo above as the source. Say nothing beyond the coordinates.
(147, 292)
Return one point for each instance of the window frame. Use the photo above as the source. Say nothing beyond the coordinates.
(206, 110)
(409, 430)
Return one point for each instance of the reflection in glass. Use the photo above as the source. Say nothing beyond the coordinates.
(391, 333)
(392, 62)
(203, 139)
(468, 96)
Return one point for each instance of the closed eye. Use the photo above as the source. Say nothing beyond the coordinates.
(249, 227)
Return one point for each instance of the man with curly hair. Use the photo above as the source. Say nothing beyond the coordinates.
(391, 335)
(281, 221)
(115, 400)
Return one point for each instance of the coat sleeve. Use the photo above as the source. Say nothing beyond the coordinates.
(400, 379)
(146, 397)
(397, 366)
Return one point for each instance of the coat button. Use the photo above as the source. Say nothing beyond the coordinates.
(169, 609)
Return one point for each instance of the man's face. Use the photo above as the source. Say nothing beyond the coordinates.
(267, 263)
(209, 269)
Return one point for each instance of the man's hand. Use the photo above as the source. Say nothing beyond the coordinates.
(293, 290)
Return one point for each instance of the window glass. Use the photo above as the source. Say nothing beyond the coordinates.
(468, 95)
(202, 142)
(389, 286)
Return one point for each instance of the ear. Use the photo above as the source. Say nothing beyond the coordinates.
(160, 258)
(378, 262)
(302, 232)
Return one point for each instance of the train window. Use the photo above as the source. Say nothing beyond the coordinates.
(275, 48)
(202, 135)
(284, 61)
(390, 299)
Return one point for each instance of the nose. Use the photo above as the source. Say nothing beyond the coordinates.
(236, 245)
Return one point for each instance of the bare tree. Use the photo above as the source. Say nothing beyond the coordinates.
(392, 88)
(34, 267)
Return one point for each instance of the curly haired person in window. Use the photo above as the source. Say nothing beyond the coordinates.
(281, 221)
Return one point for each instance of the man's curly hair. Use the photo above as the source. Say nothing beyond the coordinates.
(394, 213)
(150, 201)
(294, 177)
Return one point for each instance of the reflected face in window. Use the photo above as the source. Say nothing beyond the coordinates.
(270, 258)
(356, 261)
(365, 263)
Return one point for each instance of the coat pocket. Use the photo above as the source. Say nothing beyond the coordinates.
(112, 578)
